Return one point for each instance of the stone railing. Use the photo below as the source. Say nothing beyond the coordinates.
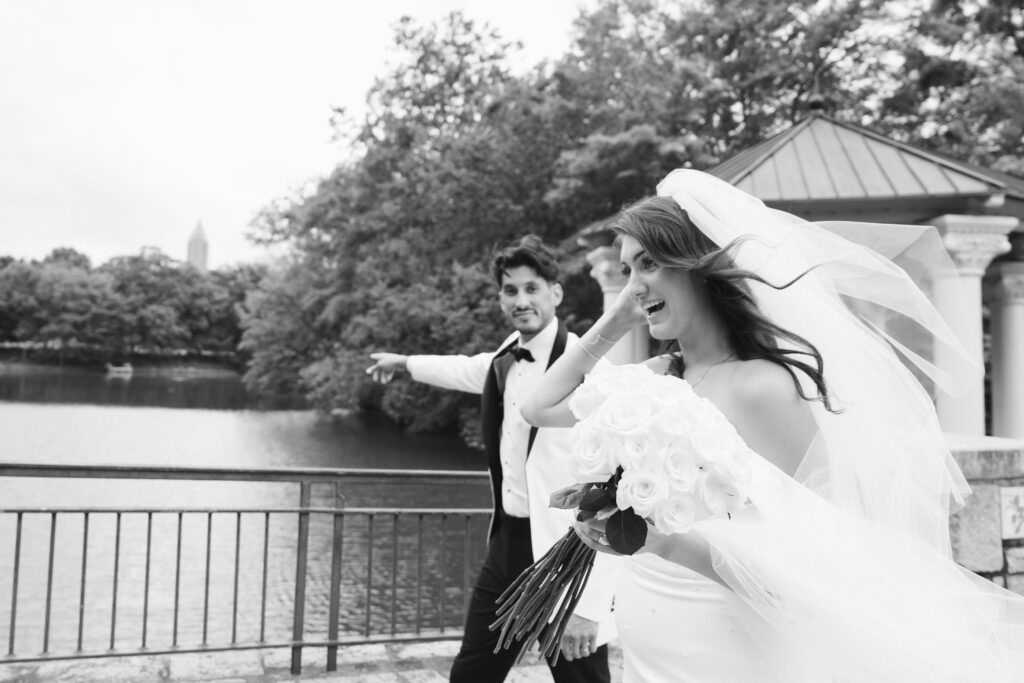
(988, 534)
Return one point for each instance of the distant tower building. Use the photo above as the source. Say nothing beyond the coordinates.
(197, 248)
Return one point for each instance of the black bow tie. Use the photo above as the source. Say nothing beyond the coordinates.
(520, 353)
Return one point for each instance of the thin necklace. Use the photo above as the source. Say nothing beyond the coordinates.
(708, 369)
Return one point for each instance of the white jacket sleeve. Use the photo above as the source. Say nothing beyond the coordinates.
(461, 373)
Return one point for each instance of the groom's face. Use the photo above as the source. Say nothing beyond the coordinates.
(528, 300)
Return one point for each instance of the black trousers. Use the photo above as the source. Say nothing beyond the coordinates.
(508, 554)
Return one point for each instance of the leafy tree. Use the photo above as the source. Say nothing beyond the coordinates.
(280, 329)
(453, 311)
(148, 295)
(132, 302)
(20, 318)
(233, 285)
(608, 171)
(73, 304)
(446, 77)
(661, 85)
(960, 69)
(430, 195)
(1002, 19)
(457, 155)
(68, 257)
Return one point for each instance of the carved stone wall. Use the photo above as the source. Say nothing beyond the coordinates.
(988, 533)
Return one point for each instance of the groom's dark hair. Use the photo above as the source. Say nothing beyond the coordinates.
(530, 251)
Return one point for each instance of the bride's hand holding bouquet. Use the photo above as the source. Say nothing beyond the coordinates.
(648, 452)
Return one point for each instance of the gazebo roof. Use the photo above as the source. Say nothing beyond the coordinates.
(823, 168)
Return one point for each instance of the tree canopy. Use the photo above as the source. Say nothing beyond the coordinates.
(458, 154)
(146, 303)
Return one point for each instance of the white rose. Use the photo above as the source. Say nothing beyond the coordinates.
(639, 451)
(734, 467)
(719, 495)
(626, 413)
(675, 514)
(585, 400)
(673, 390)
(713, 437)
(680, 467)
(673, 424)
(604, 382)
(641, 490)
(593, 455)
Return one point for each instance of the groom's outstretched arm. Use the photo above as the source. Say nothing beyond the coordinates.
(461, 373)
(458, 372)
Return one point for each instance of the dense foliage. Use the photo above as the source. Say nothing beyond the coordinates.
(147, 304)
(457, 154)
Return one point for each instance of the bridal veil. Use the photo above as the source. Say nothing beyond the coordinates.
(848, 564)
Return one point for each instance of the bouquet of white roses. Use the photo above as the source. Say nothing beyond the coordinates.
(647, 450)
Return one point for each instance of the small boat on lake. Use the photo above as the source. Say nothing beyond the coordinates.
(122, 371)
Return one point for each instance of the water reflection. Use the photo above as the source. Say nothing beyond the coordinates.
(85, 418)
(80, 416)
(167, 387)
(410, 588)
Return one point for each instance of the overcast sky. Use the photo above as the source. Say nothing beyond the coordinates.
(123, 123)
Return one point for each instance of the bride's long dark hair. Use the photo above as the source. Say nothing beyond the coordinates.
(671, 239)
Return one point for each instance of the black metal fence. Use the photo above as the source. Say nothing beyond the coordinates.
(109, 581)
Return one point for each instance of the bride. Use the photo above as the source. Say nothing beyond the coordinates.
(839, 567)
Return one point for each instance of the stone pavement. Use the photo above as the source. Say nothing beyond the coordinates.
(380, 663)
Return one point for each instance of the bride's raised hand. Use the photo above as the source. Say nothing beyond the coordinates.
(625, 313)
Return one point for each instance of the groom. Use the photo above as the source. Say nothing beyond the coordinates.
(526, 465)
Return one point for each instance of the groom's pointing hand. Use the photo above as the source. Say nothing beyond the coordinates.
(387, 364)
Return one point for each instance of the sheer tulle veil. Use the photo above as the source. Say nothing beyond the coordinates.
(848, 564)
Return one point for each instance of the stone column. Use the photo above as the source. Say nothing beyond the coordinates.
(606, 270)
(1005, 289)
(972, 241)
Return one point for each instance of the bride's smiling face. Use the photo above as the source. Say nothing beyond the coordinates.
(669, 296)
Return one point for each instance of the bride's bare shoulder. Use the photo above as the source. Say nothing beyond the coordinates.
(766, 408)
(761, 380)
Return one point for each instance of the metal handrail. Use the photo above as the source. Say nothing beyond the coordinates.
(248, 511)
(306, 478)
(271, 474)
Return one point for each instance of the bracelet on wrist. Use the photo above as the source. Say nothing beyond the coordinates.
(583, 348)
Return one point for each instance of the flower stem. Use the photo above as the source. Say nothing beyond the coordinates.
(538, 604)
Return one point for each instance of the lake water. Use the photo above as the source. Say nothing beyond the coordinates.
(79, 417)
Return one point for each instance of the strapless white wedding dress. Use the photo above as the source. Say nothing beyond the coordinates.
(818, 590)
(815, 596)
(678, 627)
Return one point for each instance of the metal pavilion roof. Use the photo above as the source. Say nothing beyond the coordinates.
(821, 168)
(824, 169)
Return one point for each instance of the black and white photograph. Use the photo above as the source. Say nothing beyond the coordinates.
(585, 341)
